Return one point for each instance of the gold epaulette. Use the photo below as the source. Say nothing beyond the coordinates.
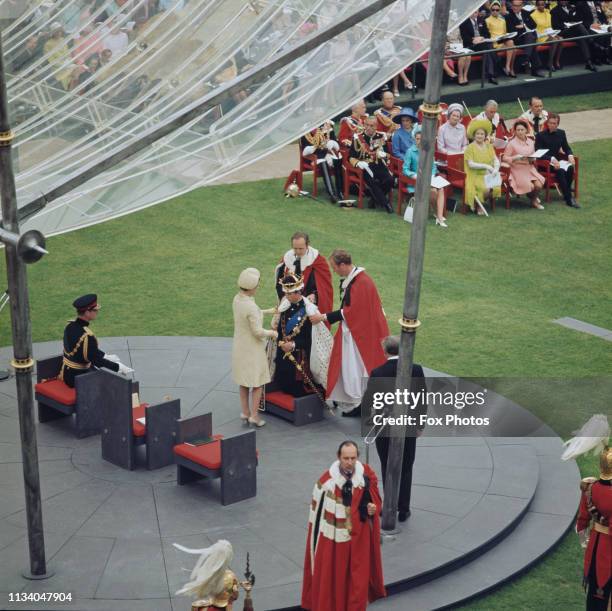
(586, 482)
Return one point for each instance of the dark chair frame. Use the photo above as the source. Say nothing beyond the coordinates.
(88, 387)
(238, 471)
(119, 444)
(307, 409)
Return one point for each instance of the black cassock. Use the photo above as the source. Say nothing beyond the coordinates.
(294, 326)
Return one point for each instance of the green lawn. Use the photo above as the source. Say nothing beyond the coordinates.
(567, 103)
(491, 288)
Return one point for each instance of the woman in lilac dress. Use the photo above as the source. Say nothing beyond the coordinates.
(524, 178)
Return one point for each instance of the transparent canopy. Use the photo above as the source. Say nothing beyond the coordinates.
(87, 77)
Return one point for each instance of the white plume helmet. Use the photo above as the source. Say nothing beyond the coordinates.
(208, 573)
(593, 435)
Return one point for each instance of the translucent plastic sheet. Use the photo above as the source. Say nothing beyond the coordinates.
(72, 101)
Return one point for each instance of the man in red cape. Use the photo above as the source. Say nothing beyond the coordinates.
(595, 513)
(343, 564)
(357, 343)
(305, 261)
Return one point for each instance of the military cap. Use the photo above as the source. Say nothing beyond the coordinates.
(86, 302)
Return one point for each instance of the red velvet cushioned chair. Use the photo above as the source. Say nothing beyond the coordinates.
(232, 459)
(55, 400)
(297, 410)
(56, 390)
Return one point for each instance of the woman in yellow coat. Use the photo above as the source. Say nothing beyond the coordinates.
(480, 161)
(543, 21)
(249, 360)
(497, 27)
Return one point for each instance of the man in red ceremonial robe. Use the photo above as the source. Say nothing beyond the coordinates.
(343, 564)
(305, 261)
(353, 124)
(595, 513)
(357, 343)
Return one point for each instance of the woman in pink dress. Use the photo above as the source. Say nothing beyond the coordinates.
(524, 178)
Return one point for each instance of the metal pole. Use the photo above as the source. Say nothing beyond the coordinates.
(22, 344)
(410, 322)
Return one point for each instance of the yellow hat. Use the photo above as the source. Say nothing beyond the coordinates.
(249, 278)
(476, 124)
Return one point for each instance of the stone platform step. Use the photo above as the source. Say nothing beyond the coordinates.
(549, 516)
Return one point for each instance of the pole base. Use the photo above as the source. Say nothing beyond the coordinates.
(4, 375)
(29, 575)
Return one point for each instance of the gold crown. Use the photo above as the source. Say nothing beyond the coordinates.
(290, 283)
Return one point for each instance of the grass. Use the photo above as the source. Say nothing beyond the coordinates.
(562, 104)
(491, 288)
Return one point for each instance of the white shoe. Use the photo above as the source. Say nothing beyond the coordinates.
(258, 423)
(538, 205)
(442, 223)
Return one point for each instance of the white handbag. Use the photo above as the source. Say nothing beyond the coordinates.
(409, 212)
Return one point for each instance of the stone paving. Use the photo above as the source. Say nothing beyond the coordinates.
(109, 532)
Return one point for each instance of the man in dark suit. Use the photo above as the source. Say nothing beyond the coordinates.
(591, 14)
(389, 370)
(519, 20)
(473, 33)
(564, 13)
(555, 140)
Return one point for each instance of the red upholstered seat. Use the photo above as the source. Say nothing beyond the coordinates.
(139, 412)
(57, 390)
(281, 399)
(207, 455)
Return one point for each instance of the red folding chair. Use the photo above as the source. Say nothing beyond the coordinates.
(545, 168)
(308, 163)
(353, 176)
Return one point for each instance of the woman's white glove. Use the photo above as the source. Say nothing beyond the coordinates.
(308, 150)
(381, 154)
(332, 145)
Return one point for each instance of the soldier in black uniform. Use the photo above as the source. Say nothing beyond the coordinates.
(368, 153)
(81, 351)
(322, 143)
(293, 373)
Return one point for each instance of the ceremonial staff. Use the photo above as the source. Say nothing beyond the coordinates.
(409, 321)
(19, 250)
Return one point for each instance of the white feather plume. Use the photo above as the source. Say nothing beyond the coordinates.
(208, 572)
(593, 435)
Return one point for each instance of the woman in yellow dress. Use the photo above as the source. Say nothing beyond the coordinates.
(497, 27)
(480, 160)
(58, 55)
(543, 21)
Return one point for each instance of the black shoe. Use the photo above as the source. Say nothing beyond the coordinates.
(402, 516)
(573, 204)
(371, 204)
(493, 81)
(388, 207)
(538, 74)
(553, 69)
(354, 413)
(463, 84)
(591, 67)
(597, 62)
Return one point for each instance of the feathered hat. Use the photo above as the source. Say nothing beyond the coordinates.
(594, 435)
(211, 578)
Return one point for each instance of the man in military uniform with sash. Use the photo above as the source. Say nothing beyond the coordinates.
(386, 113)
(368, 153)
(293, 373)
(321, 142)
(81, 351)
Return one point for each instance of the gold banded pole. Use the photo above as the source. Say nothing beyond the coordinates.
(409, 322)
(19, 250)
